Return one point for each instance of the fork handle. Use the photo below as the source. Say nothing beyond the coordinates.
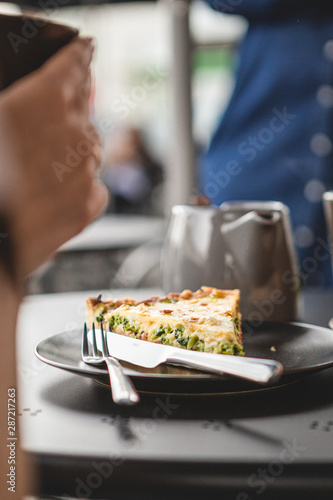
(123, 391)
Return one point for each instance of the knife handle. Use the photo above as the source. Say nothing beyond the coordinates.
(254, 369)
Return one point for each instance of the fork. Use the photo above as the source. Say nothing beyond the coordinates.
(122, 389)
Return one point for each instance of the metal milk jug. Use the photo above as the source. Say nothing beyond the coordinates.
(245, 245)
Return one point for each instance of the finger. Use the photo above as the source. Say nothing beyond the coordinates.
(78, 51)
(97, 154)
(97, 200)
(72, 61)
(94, 138)
(80, 96)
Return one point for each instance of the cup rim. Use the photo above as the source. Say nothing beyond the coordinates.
(40, 18)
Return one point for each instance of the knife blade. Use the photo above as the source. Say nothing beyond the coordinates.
(149, 355)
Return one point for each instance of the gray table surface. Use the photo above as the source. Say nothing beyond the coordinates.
(116, 231)
(71, 427)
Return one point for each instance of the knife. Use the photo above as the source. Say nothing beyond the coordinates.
(150, 355)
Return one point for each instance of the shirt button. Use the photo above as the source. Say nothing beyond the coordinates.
(314, 190)
(325, 96)
(328, 50)
(321, 145)
(304, 236)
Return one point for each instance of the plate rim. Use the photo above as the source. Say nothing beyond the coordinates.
(88, 370)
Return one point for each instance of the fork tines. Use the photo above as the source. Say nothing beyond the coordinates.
(85, 346)
(94, 343)
(85, 343)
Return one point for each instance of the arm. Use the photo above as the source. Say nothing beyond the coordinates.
(16, 478)
(46, 197)
(10, 295)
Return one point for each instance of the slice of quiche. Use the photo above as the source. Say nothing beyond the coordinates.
(206, 320)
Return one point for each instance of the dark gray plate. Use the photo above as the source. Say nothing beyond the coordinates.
(301, 349)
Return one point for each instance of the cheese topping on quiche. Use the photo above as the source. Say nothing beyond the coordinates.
(207, 320)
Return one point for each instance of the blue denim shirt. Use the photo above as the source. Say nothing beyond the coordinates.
(275, 139)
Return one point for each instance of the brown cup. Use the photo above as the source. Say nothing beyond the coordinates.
(26, 43)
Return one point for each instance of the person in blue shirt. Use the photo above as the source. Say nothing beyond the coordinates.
(275, 139)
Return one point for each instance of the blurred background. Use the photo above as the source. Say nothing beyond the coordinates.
(131, 102)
